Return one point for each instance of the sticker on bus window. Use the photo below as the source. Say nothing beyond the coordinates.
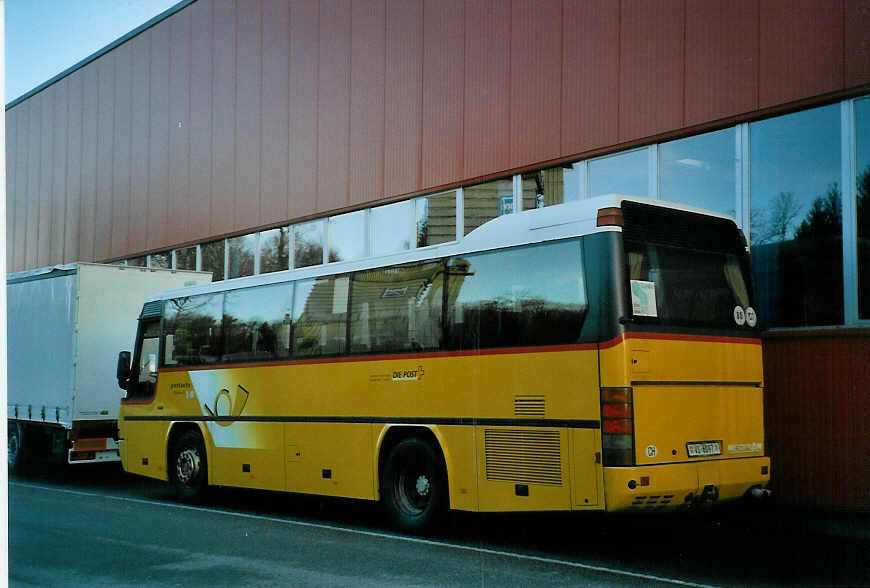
(643, 298)
(751, 317)
(739, 316)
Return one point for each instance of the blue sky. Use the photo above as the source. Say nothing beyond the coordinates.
(45, 37)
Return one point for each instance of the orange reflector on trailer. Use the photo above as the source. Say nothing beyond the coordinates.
(82, 455)
(89, 444)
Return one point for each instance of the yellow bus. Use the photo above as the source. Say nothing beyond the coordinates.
(595, 355)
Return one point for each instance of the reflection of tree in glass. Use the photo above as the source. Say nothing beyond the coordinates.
(825, 218)
(864, 203)
(241, 259)
(863, 206)
(196, 333)
(423, 232)
(507, 321)
(773, 224)
(185, 258)
(213, 259)
(308, 253)
(274, 253)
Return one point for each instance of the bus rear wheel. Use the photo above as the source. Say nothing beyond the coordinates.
(413, 486)
(188, 470)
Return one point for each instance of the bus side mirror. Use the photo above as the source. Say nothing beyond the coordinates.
(123, 372)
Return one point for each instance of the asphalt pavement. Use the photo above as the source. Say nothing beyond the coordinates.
(100, 527)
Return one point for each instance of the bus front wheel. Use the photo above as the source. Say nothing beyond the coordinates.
(413, 487)
(187, 468)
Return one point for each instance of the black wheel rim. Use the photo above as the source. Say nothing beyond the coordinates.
(412, 490)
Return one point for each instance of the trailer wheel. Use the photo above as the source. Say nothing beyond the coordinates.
(16, 454)
(188, 470)
(413, 486)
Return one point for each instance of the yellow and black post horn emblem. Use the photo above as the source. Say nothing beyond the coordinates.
(228, 404)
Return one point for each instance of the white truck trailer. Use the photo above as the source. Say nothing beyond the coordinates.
(65, 325)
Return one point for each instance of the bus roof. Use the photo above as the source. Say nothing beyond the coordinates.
(560, 221)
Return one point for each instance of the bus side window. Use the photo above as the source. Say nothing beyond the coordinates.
(320, 316)
(256, 323)
(397, 309)
(193, 330)
(530, 295)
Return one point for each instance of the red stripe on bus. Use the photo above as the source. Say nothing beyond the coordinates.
(496, 351)
(704, 338)
(673, 337)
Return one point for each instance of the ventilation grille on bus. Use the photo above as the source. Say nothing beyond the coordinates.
(529, 406)
(152, 309)
(516, 455)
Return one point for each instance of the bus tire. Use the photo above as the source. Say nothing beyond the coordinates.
(188, 469)
(16, 450)
(413, 486)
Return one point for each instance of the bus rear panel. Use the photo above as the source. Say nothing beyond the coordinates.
(682, 384)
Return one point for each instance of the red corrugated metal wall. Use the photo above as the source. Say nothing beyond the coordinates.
(817, 417)
(233, 115)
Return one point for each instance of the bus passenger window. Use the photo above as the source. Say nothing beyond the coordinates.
(397, 309)
(530, 295)
(257, 323)
(319, 316)
(192, 330)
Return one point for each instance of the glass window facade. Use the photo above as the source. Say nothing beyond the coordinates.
(862, 205)
(625, 173)
(700, 171)
(780, 179)
(243, 250)
(213, 259)
(275, 250)
(555, 185)
(308, 243)
(161, 260)
(436, 219)
(393, 228)
(347, 236)
(796, 218)
(185, 258)
(487, 201)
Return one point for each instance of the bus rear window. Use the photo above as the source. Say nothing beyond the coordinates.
(679, 286)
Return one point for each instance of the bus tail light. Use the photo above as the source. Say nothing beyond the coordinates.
(610, 217)
(617, 426)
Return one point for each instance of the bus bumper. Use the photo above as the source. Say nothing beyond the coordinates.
(680, 485)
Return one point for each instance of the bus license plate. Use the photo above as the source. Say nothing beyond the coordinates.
(704, 448)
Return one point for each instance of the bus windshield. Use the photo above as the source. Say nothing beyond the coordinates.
(671, 285)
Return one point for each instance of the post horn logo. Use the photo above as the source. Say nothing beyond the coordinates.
(228, 404)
